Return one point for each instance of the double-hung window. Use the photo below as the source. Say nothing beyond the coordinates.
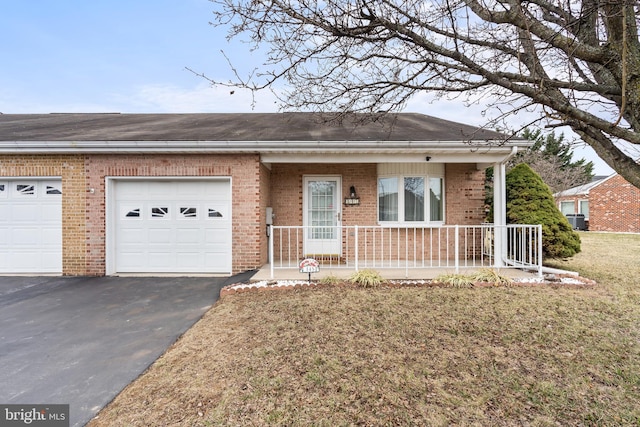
(411, 197)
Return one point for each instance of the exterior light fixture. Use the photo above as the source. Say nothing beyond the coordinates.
(353, 199)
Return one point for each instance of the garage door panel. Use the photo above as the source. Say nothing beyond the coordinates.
(217, 259)
(161, 259)
(219, 250)
(160, 236)
(24, 261)
(195, 190)
(174, 225)
(130, 259)
(53, 216)
(189, 235)
(217, 236)
(131, 236)
(51, 237)
(25, 236)
(27, 212)
(51, 260)
(4, 211)
(159, 190)
(189, 260)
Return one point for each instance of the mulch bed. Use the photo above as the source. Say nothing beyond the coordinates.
(566, 281)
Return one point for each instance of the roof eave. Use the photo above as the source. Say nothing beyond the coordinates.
(262, 147)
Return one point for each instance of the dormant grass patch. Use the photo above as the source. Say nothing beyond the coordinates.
(332, 356)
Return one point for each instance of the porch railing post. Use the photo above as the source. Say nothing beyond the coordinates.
(356, 248)
(457, 249)
(271, 249)
(498, 233)
(406, 251)
(539, 250)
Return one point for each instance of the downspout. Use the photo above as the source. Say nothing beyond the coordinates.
(500, 209)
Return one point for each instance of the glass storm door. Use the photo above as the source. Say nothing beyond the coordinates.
(322, 215)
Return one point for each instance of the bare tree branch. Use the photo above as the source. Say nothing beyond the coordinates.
(578, 61)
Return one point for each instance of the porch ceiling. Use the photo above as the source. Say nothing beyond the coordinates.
(463, 154)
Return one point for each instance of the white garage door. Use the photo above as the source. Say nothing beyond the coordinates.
(30, 226)
(172, 226)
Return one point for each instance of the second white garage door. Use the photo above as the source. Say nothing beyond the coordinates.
(31, 226)
(172, 226)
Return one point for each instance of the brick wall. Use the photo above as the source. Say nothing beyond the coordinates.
(243, 170)
(614, 206)
(286, 191)
(254, 188)
(464, 198)
(464, 194)
(83, 212)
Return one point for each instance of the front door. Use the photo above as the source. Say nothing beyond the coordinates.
(322, 216)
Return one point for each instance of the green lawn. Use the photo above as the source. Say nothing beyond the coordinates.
(540, 356)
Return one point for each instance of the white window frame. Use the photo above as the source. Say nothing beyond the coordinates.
(573, 210)
(401, 207)
(580, 201)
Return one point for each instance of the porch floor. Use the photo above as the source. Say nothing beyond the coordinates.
(264, 274)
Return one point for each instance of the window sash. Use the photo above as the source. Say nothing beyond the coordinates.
(414, 199)
(388, 199)
(568, 208)
(404, 199)
(436, 205)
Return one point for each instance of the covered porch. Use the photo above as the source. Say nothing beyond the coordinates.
(407, 204)
(404, 252)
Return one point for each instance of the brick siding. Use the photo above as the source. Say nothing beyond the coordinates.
(243, 170)
(254, 187)
(464, 199)
(83, 212)
(614, 206)
(464, 194)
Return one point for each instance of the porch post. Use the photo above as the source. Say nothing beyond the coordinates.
(499, 214)
(270, 244)
(456, 240)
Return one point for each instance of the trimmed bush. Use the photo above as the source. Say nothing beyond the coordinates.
(529, 201)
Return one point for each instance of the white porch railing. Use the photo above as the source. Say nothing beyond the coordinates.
(405, 247)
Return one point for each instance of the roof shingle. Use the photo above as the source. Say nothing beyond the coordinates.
(237, 127)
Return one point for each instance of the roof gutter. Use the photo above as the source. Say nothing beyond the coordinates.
(291, 147)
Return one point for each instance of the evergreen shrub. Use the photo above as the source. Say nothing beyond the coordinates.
(529, 201)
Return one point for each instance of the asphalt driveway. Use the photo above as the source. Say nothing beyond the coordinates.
(81, 340)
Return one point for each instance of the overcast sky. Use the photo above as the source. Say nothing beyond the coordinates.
(130, 56)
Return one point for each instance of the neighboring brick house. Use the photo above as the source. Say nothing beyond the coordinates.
(607, 203)
(102, 194)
